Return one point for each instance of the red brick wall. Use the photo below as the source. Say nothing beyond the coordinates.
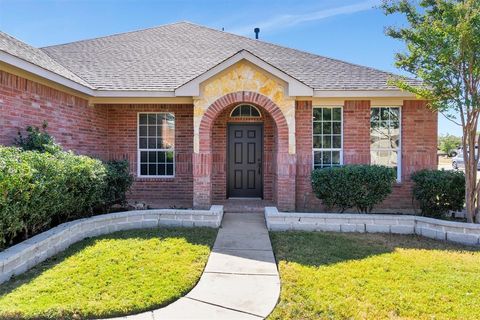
(122, 142)
(71, 121)
(219, 152)
(356, 132)
(419, 149)
(110, 131)
(419, 142)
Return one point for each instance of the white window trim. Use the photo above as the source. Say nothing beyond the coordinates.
(327, 149)
(139, 175)
(399, 152)
(245, 104)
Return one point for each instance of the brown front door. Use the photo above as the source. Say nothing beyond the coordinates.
(244, 159)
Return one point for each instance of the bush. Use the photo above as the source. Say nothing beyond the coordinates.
(439, 191)
(118, 181)
(353, 186)
(37, 140)
(39, 190)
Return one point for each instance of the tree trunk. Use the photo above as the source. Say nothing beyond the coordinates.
(470, 158)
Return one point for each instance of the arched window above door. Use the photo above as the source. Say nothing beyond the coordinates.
(245, 110)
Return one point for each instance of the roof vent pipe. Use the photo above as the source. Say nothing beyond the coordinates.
(257, 31)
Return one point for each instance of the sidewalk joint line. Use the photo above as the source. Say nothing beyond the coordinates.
(228, 308)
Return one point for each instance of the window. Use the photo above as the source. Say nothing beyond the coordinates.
(245, 110)
(156, 144)
(385, 137)
(327, 137)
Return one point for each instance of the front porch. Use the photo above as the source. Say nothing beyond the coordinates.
(220, 172)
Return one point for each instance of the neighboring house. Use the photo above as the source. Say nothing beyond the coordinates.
(203, 115)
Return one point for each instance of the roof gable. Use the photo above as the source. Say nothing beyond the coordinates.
(295, 87)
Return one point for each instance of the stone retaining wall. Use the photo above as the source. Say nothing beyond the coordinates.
(460, 232)
(21, 257)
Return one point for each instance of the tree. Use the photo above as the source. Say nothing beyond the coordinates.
(442, 39)
(449, 143)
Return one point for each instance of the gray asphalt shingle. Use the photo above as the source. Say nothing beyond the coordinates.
(165, 57)
(36, 56)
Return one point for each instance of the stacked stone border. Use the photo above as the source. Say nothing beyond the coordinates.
(459, 232)
(23, 256)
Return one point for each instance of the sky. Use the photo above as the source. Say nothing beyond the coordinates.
(350, 30)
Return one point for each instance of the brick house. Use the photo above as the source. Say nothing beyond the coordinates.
(203, 115)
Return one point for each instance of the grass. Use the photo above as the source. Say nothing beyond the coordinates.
(122, 273)
(373, 276)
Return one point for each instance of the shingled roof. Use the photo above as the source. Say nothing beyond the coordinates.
(36, 56)
(165, 57)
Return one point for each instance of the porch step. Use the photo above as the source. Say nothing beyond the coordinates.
(245, 205)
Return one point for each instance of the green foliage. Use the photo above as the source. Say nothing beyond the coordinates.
(442, 40)
(439, 191)
(42, 189)
(118, 182)
(353, 186)
(38, 140)
(443, 50)
(42, 186)
(449, 143)
(123, 273)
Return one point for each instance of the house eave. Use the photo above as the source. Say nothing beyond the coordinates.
(362, 94)
(192, 88)
(44, 73)
(133, 94)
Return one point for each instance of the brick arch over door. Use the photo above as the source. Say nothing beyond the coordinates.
(284, 186)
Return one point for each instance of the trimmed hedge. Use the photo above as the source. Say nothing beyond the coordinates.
(40, 190)
(439, 191)
(353, 186)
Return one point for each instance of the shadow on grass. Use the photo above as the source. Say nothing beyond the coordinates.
(325, 248)
(195, 236)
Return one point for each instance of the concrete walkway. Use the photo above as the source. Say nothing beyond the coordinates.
(240, 280)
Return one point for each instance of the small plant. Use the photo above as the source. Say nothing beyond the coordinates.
(439, 191)
(118, 181)
(353, 186)
(38, 140)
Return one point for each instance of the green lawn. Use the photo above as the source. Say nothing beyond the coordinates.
(121, 273)
(373, 276)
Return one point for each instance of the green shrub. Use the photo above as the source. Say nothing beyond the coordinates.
(439, 191)
(39, 190)
(118, 182)
(353, 186)
(37, 140)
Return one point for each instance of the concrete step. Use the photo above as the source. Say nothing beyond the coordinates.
(245, 205)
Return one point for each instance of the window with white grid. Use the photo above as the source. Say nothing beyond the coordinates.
(327, 137)
(156, 144)
(385, 137)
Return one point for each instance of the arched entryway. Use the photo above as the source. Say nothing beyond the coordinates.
(210, 163)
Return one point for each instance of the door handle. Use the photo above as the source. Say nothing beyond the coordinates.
(259, 166)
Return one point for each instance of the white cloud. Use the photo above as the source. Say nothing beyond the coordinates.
(289, 20)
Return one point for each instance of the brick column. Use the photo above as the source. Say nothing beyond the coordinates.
(356, 132)
(286, 175)
(305, 199)
(202, 181)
